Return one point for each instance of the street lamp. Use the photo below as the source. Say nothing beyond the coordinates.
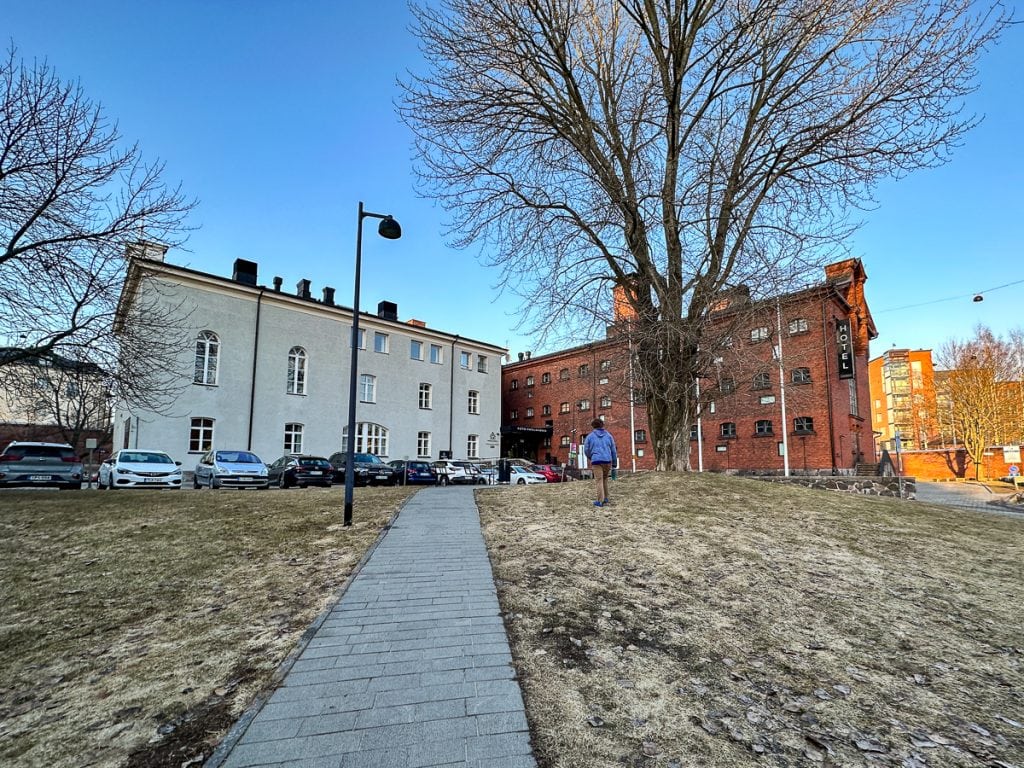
(389, 230)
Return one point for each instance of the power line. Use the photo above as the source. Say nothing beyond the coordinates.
(950, 298)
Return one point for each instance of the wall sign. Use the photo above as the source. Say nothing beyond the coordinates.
(844, 346)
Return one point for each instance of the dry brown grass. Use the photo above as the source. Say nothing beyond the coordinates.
(714, 621)
(137, 625)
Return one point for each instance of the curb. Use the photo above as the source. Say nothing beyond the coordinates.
(235, 733)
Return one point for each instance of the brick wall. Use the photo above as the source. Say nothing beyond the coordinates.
(952, 464)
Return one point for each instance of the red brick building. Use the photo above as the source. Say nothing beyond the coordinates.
(820, 379)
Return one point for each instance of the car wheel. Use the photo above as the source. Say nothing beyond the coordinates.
(196, 485)
(521, 481)
(444, 480)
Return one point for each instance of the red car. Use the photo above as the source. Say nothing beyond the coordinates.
(552, 473)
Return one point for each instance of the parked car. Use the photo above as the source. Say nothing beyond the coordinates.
(523, 476)
(301, 470)
(551, 473)
(27, 464)
(368, 469)
(135, 468)
(458, 473)
(230, 469)
(414, 472)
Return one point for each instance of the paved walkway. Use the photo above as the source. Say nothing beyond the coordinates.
(974, 496)
(411, 668)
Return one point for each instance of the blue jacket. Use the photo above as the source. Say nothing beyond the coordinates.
(600, 447)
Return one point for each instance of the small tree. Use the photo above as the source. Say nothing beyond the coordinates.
(982, 391)
(676, 148)
(72, 198)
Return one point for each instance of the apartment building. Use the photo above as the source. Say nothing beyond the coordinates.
(269, 370)
(903, 398)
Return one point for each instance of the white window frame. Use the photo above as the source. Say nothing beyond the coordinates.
(759, 334)
(367, 388)
(465, 360)
(529, 413)
(297, 366)
(200, 434)
(423, 445)
(436, 354)
(481, 363)
(764, 427)
(472, 446)
(381, 343)
(473, 402)
(207, 358)
(415, 350)
(370, 438)
(426, 396)
(293, 434)
(798, 325)
(362, 338)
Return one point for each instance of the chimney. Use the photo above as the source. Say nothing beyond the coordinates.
(146, 249)
(302, 289)
(328, 296)
(623, 309)
(277, 283)
(520, 357)
(416, 323)
(244, 272)
(527, 355)
(387, 310)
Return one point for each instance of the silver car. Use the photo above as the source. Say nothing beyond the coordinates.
(25, 464)
(230, 469)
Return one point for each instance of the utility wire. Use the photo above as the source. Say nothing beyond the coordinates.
(950, 298)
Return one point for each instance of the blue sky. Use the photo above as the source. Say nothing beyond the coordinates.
(279, 117)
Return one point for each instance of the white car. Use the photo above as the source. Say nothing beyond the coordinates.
(135, 468)
(230, 469)
(522, 476)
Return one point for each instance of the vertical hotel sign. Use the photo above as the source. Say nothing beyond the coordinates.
(844, 346)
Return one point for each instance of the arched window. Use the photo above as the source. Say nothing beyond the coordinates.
(296, 371)
(207, 352)
(370, 438)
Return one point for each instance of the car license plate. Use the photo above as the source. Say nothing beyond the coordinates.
(382, 477)
(152, 479)
(316, 473)
(39, 477)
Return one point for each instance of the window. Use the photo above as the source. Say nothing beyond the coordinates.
(436, 354)
(798, 326)
(362, 338)
(759, 334)
(727, 386)
(640, 436)
(529, 381)
(370, 438)
(803, 424)
(545, 410)
(481, 363)
(296, 371)
(380, 342)
(416, 350)
(200, 436)
(474, 401)
(513, 414)
(529, 413)
(727, 341)
(603, 380)
(583, 405)
(693, 431)
(639, 398)
(727, 429)
(72, 389)
(423, 445)
(207, 351)
(545, 378)
(801, 375)
(367, 388)
(426, 393)
(854, 411)
(547, 441)
(763, 427)
(564, 442)
(584, 370)
(293, 438)
(473, 446)
(762, 380)
(563, 375)
(514, 384)
(606, 401)
(563, 408)
(465, 360)
(605, 365)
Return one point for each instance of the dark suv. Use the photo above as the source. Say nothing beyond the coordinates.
(24, 464)
(368, 469)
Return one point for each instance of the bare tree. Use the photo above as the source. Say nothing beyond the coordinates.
(675, 148)
(72, 199)
(982, 389)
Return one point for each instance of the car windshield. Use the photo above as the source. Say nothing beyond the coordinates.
(313, 461)
(145, 457)
(41, 451)
(237, 457)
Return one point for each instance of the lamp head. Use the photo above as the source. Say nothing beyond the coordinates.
(979, 297)
(389, 229)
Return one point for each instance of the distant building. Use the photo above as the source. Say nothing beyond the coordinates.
(268, 370)
(903, 399)
(807, 350)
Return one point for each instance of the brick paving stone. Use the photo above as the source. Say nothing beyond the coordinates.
(409, 669)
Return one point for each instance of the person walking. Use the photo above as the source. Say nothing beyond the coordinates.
(599, 448)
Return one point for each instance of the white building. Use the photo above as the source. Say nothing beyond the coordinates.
(268, 371)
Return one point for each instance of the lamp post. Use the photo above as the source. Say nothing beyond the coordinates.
(389, 230)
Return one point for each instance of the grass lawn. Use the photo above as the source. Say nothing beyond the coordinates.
(699, 621)
(715, 621)
(137, 625)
